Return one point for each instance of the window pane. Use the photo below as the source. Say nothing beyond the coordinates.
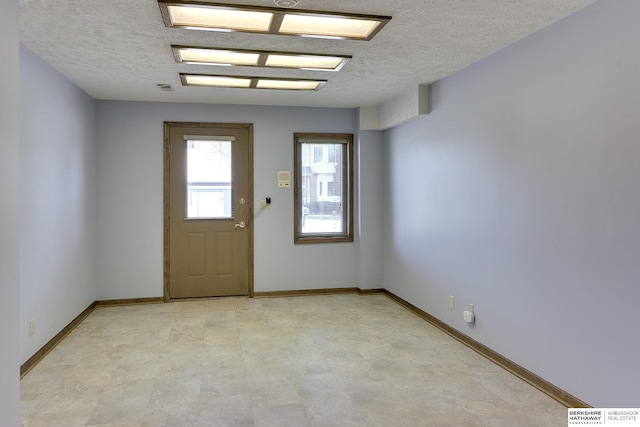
(332, 152)
(321, 190)
(208, 179)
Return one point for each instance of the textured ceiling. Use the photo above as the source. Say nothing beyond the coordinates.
(120, 49)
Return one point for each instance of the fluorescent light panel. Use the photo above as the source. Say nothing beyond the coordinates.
(306, 62)
(214, 56)
(287, 84)
(250, 82)
(333, 26)
(258, 58)
(271, 20)
(202, 17)
(218, 81)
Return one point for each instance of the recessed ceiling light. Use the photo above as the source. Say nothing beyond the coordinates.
(258, 58)
(250, 82)
(195, 55)
(339, 27)
(221, 81)
(306, 62)
(196, 15)
(288, 84)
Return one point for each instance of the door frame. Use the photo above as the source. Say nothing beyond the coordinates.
(166, 178)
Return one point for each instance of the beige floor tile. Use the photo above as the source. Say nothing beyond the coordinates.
(122, 402)
(228, 410)
(281, 415)
(329, 360)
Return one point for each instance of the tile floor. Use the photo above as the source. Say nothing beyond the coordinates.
(339, 360)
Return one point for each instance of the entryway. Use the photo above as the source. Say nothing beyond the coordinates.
(208, 197)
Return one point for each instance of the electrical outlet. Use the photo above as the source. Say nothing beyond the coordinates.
(452, 302)
(32, 327)
(264, 205)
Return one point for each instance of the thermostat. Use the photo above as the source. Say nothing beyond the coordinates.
(284, 179)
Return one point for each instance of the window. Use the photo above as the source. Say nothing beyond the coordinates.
(332, 153)
(323, 188)
(331, 189)
(208, 178)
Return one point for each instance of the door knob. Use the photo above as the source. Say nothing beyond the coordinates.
(240, 225)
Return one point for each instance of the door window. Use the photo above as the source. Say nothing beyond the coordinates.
(209, 185)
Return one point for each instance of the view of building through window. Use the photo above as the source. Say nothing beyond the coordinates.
(321, 192)
(208, 179)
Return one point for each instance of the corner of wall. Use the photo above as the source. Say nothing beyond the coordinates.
(406, 106)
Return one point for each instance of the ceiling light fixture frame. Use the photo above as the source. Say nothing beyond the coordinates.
(254, 81)
(278, 18)
(262, 58)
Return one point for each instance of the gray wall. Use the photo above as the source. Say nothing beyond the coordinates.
(370, 217)
(520, 193)
(130, 197)
(58, 209)
(10, 214)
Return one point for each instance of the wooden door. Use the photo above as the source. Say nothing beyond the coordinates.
(208, 209)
